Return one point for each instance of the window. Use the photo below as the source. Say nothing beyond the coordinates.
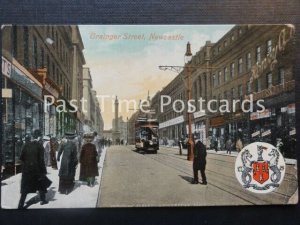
(15, 41)
(240, 31)
(219, 78)
(42, 58)
(240, 66)
(232, 93)
(269, 46)
(225, 94)
(48, 64)
(269, 80)
(225, 43)
(219, 48)
(225, 74)
(258, 85)
(214, 80)
(281, 76)
(248, 87)
(53, 72)
(248, 61)
(25, 41)
(241, 90)
(258, 56)
(232, 37)
(232, 70)
(34, 53)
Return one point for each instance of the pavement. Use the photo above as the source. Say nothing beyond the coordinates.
(232, 154)
(135, 179)
(82, 196)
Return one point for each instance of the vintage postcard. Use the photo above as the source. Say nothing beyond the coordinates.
(100, 116)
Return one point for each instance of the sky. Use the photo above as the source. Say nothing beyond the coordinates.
(126, 63)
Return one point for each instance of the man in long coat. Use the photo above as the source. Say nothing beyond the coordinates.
(33, 169)
(199, 162)
(88, 161)
(68, 164)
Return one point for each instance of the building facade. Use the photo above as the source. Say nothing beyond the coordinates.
(41, 72)
(250, 62)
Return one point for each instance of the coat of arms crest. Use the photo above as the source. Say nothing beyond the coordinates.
(260, 167)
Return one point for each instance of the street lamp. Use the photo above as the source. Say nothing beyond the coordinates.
(187, 59)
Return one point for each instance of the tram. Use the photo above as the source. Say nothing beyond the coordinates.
(146, 135)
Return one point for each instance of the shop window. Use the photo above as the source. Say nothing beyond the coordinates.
(232, 70)
(281, 74)
(258, 54)
(269, 46)
(248, 61)
(269, 80)
(240, 66)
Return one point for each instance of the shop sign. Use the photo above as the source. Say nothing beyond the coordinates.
(199, 114)
(283, 109)
(255, 134)
(270, 60)
(217, 121)
(6, 93)
(20, 78)
(171, 122)
(260, 115)
(293, 132)
(6, 67)
(291, 108)
(51, 90)
(266, 133)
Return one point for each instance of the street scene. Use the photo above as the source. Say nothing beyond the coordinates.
(98, 116)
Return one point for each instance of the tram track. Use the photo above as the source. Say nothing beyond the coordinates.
(216, 179)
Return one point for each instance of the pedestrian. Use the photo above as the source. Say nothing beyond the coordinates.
(96, 142)
(180, 146)
(33, 170)
(199, 162)
(53, 150)
(228, 146)
(88, 161)
(68, 164)
(239, 145)
(46, 145)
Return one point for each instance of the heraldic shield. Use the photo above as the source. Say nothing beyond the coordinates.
(260, 171)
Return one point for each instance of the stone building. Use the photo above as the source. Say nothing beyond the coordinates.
(38, 62)
(249, 61)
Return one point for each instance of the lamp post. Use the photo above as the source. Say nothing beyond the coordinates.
(187, 59)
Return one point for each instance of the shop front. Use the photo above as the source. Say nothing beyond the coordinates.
(22, 111)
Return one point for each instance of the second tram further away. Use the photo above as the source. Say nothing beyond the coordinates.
(146, 135)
